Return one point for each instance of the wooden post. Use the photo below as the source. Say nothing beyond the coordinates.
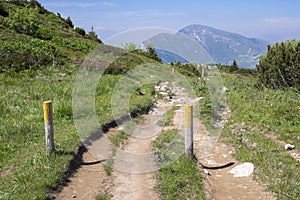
(203, 72)
(49, 131)
(173, 71)
(188, 131)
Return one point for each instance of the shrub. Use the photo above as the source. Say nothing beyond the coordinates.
(24, 21)
(17, 55)
(75, 44)
(80, 31)
(93, 36)
(281, 65)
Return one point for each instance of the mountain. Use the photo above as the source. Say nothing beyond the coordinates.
(178, 47)
(224, 47)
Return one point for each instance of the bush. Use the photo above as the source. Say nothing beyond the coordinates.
(80, 31)
(75, 44)
(44, 33)
(281, 65)
(24, 21)
(17, 55)
(93, 36)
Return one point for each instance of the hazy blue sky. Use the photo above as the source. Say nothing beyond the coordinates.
(272, 20)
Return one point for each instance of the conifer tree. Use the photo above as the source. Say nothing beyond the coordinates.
(280, 67)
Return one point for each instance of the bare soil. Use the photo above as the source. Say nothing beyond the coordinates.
(137, 181)
(87, 181)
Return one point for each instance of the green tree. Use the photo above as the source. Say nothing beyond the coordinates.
(80, 31)
(234, 67)
(69, 22)
(93, 36)
(152, 53)
(280, 66)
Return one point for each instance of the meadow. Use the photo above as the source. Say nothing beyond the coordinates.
(24, 164)
(261, 120)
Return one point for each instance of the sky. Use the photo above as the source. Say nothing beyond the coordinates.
(271, 20)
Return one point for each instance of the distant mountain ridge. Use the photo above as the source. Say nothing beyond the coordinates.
(224, 47)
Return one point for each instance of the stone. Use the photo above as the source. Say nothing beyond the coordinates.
(206, 172)
(242, 170)
(289, 147)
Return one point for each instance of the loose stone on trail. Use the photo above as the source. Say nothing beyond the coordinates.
(242, 170)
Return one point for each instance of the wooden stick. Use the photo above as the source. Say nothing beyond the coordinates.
(188, 131)
(49, 131)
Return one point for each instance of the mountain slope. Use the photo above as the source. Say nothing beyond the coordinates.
(33, 37)
(224, 47)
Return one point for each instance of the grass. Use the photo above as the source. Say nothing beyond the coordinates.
(103, 197)
(138, 104)
(165, 138)
(108, 166)
(168, 117)
(24, 165)
(23, 160)
(168, 147)
(180, 178)
(116, 140)
(119, 138)
(258, 112)
(38, 67)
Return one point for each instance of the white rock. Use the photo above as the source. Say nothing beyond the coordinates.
(163, 93)
(206, 172)
(289, 147)
(224, 89)
(242, 170)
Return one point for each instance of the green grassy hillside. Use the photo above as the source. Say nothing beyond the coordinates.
(40, 55)
(33, 37)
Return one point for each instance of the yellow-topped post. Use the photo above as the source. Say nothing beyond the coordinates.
(188, 131)
(49, 130)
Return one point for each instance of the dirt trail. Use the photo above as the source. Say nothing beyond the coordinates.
(135, 167)
(133, 176)
(219, 183)
(86, 182)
